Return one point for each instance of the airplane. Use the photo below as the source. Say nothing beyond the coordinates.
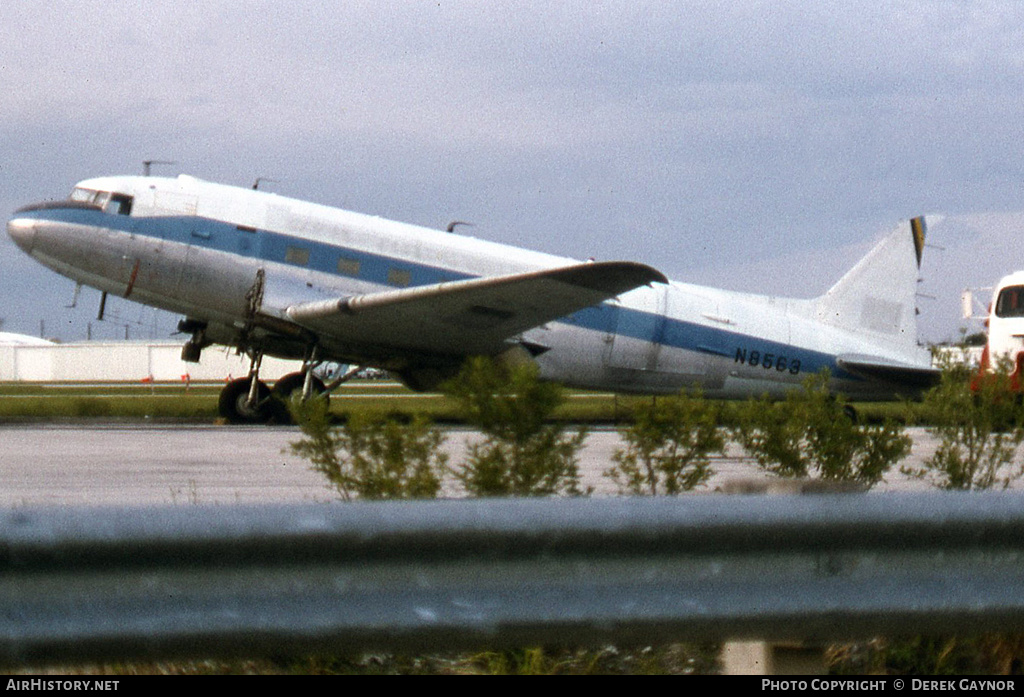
(271, 275)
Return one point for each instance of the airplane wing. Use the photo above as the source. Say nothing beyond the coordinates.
(474, 316)
(884, 370)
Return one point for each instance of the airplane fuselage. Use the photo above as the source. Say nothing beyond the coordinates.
(235, 260)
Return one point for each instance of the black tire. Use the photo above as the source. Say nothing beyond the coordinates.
(232, 403)
(289, 385)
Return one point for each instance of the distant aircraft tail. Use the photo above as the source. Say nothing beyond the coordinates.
(878, 297)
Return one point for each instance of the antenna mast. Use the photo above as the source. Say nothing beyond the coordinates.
(147, 164)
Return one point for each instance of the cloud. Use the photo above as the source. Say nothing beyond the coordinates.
(689, 135)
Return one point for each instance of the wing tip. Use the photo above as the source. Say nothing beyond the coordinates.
(617, 276)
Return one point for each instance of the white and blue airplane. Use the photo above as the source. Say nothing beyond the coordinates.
(283, 277)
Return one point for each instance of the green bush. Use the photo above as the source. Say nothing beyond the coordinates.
(668, 446)
(979, 421)
(812, 433)
(370, 456)
(521, 453)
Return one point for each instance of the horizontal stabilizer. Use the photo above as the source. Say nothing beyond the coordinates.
(472, 316)
(913, 377)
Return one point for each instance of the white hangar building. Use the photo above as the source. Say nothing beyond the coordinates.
(29, 359)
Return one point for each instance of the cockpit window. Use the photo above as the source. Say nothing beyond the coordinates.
(118, 204)
(83, 195)
(1010, 302)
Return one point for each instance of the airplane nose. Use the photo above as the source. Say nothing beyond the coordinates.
(22, 231)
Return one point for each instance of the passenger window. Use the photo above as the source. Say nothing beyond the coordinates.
(297, 255)
(348, 267)
(399, 278)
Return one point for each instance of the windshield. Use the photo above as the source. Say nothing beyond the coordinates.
(84, 195)
(120, 204)
(1010, 302)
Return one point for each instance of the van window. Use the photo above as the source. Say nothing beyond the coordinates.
(1010, 302)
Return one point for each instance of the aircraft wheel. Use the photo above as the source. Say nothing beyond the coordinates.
(233, 403)
(289, 387)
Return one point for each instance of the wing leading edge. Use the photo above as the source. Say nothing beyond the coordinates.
(475, 316)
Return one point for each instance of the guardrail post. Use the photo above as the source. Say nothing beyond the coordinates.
(778, 658)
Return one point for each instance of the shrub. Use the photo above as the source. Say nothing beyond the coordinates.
(668, 446)
(812, 433)
(980, 426)
(371, 456)
(521, 454)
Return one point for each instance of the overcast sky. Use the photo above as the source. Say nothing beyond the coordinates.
(758, 146)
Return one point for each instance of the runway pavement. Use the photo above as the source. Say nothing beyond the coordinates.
(140, 464)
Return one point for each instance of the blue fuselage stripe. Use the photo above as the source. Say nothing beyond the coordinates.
(378, 269)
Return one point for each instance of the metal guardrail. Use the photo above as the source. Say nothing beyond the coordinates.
(95, 584)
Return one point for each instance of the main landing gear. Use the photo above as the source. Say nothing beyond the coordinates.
(240, 403)
(249, 400)
(237, 407)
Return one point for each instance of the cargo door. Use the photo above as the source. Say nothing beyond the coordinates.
(639, 328)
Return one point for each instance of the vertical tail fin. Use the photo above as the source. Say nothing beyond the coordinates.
(878, 296)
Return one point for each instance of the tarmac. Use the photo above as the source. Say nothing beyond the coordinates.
(118, 464)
